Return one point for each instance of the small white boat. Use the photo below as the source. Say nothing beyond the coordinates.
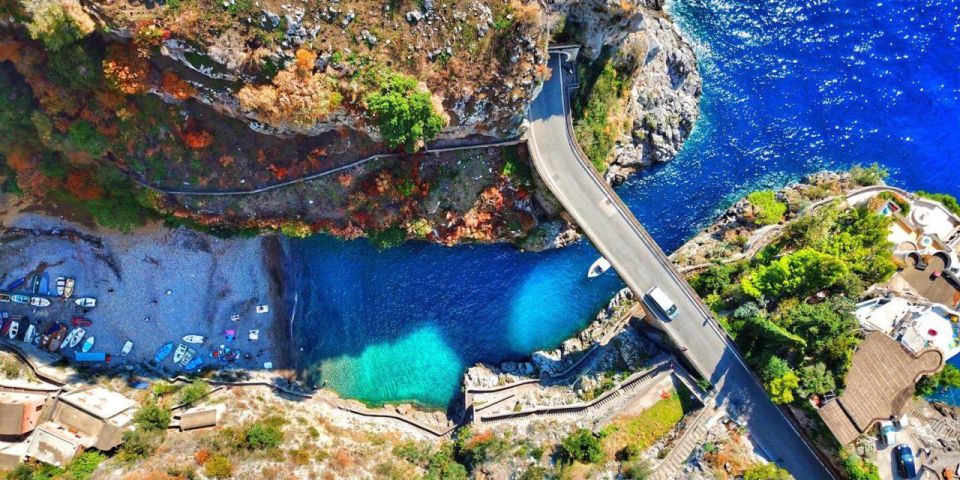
(598, 267)
(61, 285)
(88, 344)
(39, 302)
(178, 355)
(14, 329)
(193, 338)
(187, 357)
(77, 336)
(86, 302)
(31, 331)
(126, 348)
(68, 287)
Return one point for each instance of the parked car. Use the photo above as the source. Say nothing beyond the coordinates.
(905, 465)
(888, 434)
(660, 301)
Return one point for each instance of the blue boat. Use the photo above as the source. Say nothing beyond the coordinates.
(16, 284)
(163, 352)
(90, 356)
(194, 364)
(45, 284)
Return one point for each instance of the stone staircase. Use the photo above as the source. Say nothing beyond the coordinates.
(941, 428)
(672, 466)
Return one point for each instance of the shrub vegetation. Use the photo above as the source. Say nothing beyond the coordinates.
(769, 209)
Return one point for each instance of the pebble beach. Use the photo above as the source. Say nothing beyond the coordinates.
(154, 286)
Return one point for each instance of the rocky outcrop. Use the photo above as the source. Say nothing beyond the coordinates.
(664, 89)
(663, 100)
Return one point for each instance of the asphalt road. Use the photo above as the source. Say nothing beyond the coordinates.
(641, 264)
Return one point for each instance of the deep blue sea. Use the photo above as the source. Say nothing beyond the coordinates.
(790, 87)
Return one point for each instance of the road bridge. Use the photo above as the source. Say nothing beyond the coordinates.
(642, 265)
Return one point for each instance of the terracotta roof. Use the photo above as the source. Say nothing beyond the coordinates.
(879, 385)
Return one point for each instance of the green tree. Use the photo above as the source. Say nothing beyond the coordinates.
(800, 273)
(816, 379)
(858, 468)
(781, 389)
(404, 113)
(774, 368)
(948, 377)
(581, 446)
(84, 136)
(769, 209)
(139, 444)
(83, 466)
(829, 329)
(58, 23)
(766, 471)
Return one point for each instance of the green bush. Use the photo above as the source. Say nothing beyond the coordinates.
(403, 113)
(770, 210)
(948, 377)
(637, 470)
(218, 466)
(581, 446)
(390, 237)
(194, 392)
(442, 466)
(262, 436)
(84, 136)
(866, 176)
(152, 417)
(139, 444)
(593, 128)
(816, 379)
(766, 471)
(83, 466)
(948, 201)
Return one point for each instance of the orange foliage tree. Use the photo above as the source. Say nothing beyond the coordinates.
(80, 184)
(126, 69)
(175, 86)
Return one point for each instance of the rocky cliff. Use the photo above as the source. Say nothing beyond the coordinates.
(186, 98)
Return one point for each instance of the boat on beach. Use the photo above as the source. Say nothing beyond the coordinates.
(68, 288)
(598, 267)
(14, 329)
(193, 338)
(178, 355)
(17, 283)
(81, 322)
(31, 331)
(163, 352)
(86, 302)
(35, 284)
(20, 298)
(5, 329)
(87, 345)
(57, 338)
(193, 364)
(39, 302)
(4, 298)
(126, 348)
(78, 334)
(187, 357)
(61, 286)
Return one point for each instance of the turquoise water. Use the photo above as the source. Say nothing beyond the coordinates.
(790, 87)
